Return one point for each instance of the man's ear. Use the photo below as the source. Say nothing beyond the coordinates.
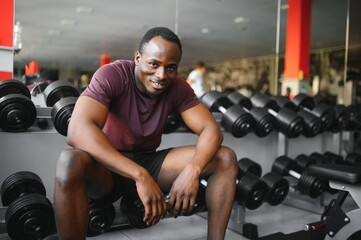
(137, 57)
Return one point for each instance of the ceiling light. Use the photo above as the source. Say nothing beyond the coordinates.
(239, 19)
(54, 32)
(67, 22)
(205, 30)
(82, 9)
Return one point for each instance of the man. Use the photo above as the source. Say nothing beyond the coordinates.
(115, 130)
(195, 79)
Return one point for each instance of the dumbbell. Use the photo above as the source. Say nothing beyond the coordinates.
(265, 123)
(250, 190)
(277, 186)
(17, 111)
(313, 124)
(355, 118)
(306, 184)
(234, 118)
(30, 214)
(342, 113)
(61, 96)
(303, 162)
(133, 208)
(288, 122)
(174, 121)
(322, 110)
(353, 159)
(101, 217)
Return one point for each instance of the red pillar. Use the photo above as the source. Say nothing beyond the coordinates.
(105, 59)
(6, 39)
(297, 46)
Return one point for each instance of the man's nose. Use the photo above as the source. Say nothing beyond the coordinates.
(161, 73)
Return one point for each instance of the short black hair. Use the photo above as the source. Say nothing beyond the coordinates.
(162, 32)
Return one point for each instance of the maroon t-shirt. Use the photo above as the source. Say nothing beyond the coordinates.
(135, 122)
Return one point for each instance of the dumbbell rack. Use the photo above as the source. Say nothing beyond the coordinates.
(37, 150)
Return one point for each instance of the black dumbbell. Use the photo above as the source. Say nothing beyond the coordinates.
(17, 111)
(355, 118)
(277, 186)
(234, 118)
(288, 122)
(265, 123)
(30, 214)
(342, 113)
(313, 124)
(353, 159)
(251, 192)
(303, 162)
(61, 96)
(133, 208)
(306, 184)
(174, 121)
(322, 110)
(101, 217)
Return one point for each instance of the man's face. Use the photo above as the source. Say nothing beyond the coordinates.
(157, 66)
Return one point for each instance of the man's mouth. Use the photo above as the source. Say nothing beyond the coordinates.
(158, 84)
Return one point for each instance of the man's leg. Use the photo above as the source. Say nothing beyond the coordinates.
(221, 187)
(76, 173)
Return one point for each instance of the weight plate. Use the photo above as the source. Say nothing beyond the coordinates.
(61, 113)
(101, 217)
(12, 86)
(58, 90)
(30, 217)
(17, 113)
(19, 183)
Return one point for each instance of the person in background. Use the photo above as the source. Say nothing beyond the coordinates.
(195, 79)
(115, 132)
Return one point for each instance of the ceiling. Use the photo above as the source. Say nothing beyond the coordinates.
(75, 33)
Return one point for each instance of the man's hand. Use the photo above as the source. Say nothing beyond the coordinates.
(152, 198)
(183, 194)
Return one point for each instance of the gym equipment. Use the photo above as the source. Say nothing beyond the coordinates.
(322, 110)
(174, 121)
(101, 217)
(342, 113)
(133, 208)
(265, 123)
(234, 118)
(339, 225)
(30, 214)
(353, 159)
(58, 90)
(355, 118)
(277, 186)
(61, 114)
(306, 184)
(288, 122)
(17, 111)
(61, 96)
(250, 190)
(313, 124)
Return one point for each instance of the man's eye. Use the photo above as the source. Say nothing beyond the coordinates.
(154, 64)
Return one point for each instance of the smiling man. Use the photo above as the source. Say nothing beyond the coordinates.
(115, 131)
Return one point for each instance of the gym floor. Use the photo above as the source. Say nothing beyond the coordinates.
(269, 219)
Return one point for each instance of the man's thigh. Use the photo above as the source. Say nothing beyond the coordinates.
(173, 165)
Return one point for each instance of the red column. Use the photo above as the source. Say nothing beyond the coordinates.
(32, 68)
(105, 59)
(297, 44)
(6, 39)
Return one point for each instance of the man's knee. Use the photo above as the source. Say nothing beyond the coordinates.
(227, 160)
(70, 167)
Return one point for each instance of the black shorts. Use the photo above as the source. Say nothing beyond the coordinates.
(152, 161)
